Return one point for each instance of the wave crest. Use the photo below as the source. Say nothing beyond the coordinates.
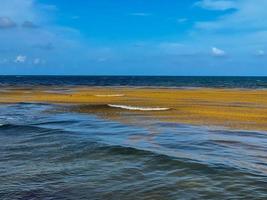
(109, 95)
(138, 108)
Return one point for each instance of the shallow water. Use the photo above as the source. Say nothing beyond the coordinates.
(63, 155)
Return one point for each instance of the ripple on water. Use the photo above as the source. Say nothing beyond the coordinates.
(72, 156)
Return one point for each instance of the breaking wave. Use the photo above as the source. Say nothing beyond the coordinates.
(138, 108)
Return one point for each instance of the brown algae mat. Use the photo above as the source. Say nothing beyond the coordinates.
(231, 108)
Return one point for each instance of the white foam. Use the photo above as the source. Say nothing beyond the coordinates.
(138, 108)
(109, 95)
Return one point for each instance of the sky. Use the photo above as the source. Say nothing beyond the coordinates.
(133, 37)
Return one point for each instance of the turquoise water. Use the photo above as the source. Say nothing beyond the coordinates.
(50, 154)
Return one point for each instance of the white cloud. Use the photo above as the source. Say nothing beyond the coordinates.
(216, 4)
(217, 52)
(20, 59)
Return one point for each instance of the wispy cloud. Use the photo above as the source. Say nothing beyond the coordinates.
(216, 4)
(141, 14)
(6, 22)
(48, 7)
(45, 46)
(182, 20)
(19, 10)
(29, 24)
(249, 15)
(217, 52)
(38, 61)
(260, 53)
(3, 61)
(35, 33)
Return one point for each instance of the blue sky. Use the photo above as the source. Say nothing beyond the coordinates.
(133, 37)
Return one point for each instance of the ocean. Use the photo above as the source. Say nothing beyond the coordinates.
(47, 152)
(137, 81)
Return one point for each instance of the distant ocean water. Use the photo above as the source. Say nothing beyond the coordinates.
(51, 153)
(149, 81)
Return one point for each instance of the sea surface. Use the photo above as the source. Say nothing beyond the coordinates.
(48, 152)
(139, 81)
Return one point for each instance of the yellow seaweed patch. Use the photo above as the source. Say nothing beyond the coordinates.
(233, 108)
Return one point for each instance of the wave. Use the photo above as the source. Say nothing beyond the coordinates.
(155, 157)
(138, 108)
(109, 95)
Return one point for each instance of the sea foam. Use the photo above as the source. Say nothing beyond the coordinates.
(109, 95)
(138, 108)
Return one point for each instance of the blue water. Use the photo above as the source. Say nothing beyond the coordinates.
(50, 153)
(151, 81)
